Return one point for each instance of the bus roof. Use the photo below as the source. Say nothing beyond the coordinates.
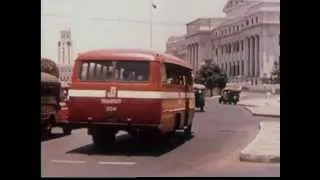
(132, 54)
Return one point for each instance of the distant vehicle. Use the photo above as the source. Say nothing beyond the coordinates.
(230, 95)
(141, 92)
(50, 98)
(199, 91)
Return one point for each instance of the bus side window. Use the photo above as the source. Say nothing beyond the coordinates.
(163, 74)
(84, 71)
(104, 72)
(98, 75)
(121, 73)
(109, 72)
(91, 71)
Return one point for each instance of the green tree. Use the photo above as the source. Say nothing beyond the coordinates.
(212, 76)
(50, 67)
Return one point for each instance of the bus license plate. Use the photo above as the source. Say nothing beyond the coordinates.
(111, 108)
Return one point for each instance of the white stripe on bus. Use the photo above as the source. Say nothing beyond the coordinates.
(130, 94)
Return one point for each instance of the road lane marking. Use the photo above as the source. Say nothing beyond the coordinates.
(117, 163)
(68, 161)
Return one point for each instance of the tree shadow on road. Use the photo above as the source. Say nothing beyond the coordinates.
(126, 145)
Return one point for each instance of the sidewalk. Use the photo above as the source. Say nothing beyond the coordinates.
(263, 107)
(266, 146)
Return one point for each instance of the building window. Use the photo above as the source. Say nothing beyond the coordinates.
(252, 21)
(238, 46)
(247, 22)
(242, 45)
(229, 30)
(257, 19)
(217, 52)
(242, 67)
(237, 28)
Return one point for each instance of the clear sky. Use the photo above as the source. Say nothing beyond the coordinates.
(98, 24)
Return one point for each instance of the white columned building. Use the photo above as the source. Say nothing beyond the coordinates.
(198, 42)
(246, 43)
(176, 46)
(65, 57)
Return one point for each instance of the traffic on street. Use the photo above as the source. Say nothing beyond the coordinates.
(135, 89)
(219, 134)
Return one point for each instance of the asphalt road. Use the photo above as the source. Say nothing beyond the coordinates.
(220, 134)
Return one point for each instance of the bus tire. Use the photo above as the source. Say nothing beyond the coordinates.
(202, 109)
(188, 131)
(66, 130)
(103, 137)
(45, 131)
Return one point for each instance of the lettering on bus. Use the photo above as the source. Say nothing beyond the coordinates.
(112, 92)
(111, 101)
(111, 108)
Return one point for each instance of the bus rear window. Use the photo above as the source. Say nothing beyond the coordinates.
(125, 71)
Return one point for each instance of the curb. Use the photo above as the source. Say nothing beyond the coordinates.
(259, 158)
(259, 114)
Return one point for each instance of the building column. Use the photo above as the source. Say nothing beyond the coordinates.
(188, 53)
(197, 55)
(257, 52)
(192, 47)
(245, 56)
(249, 56)
(253, 57)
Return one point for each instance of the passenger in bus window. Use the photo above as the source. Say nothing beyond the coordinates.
(133, 76)
(116, 74)
(91, 71)
(121, 73)
(104, 72)
(109, 73)
(98, 72)
(84, 71)
(140, 78)
(126, 75)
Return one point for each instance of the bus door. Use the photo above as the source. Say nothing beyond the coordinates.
(187, 100)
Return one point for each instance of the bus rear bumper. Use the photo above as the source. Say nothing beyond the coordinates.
(118, 126)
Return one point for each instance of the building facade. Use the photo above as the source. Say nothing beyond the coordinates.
(247, 43)
(198, 40)
(65, 57)
(176, 46)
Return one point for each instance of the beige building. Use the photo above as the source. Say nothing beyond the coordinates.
(247, 43)
(176, 46)
(198, 40)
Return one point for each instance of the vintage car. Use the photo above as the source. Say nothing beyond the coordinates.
(50, 98)
(199, 93)
(230, 95)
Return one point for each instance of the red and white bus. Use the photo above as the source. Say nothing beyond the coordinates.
(132, 90)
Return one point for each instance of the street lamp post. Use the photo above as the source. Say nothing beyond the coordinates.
(153, 6)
